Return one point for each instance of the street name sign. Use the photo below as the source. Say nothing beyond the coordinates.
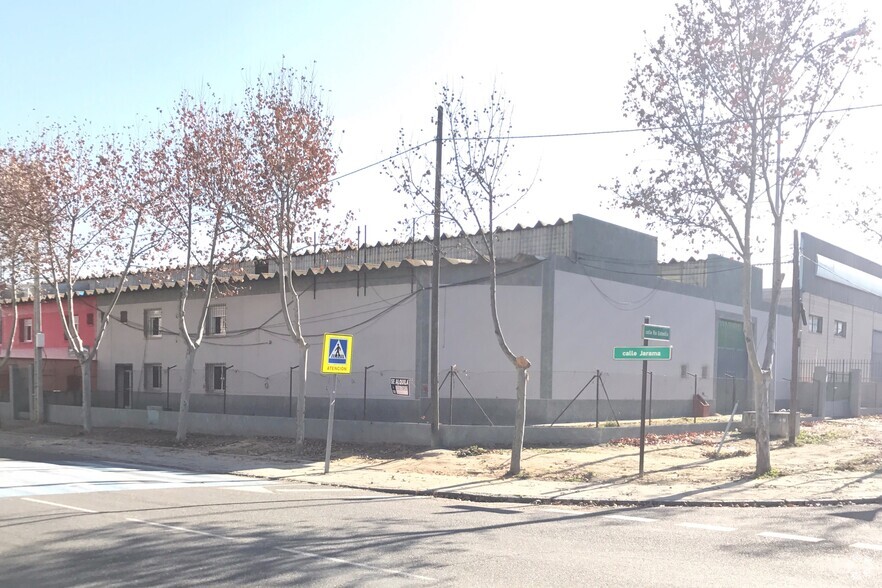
(657, 332)
(642, 353)
(337, 354)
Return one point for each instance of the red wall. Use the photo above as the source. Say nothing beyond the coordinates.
(55, 343)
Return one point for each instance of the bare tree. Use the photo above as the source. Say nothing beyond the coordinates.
(200, 173)
(737, 94)
(15, 177)
(475, 193)
(291, 160)
(91, 209)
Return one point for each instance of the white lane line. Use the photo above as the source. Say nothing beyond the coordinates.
(60, 505)
(707, 527)
(629, 518)
(559, 511)
(384, 498)
(288, 550)
(773, 535)
(871, 546)
(182, 529)
(354, 564)
(313, 490)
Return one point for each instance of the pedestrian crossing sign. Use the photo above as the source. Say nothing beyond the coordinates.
(337, 354)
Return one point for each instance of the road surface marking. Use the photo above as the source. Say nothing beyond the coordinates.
(60, 505)
(286, 550)
(872, 546)
(629, 518)
(313, 489)
(773, 535)
(258, 489)
(706, 527)
(354, 564)
(182, 529)
(384, 498)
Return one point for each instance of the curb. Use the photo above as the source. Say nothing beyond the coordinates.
(605, 502)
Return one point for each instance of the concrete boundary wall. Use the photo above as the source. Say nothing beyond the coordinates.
(415, 434)
(5, 412)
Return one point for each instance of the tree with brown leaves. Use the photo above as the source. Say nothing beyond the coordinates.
(291, 160)
(738, 98)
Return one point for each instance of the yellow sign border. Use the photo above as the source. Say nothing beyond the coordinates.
(334, 368)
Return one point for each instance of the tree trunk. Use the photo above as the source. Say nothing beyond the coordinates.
(300, 434)
(184, 410)
(86, 372)
(517, 444)
(761, 398)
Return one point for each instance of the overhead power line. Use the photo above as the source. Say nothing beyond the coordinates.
(595, 133)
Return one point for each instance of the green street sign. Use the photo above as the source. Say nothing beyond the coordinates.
(657, 332)
(642, 353)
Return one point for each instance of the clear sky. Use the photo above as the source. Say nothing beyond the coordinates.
(563, 65)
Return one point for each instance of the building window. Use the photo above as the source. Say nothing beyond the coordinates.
(153, 322)
(26, 330)
(816, 324)
(152, 376)
(215, 377)
(217, 320)
(839, 328)
(76, 326)
(124, 316)
(90, 318)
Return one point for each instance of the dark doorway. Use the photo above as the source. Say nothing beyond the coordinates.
(731, 372)
(124, 379)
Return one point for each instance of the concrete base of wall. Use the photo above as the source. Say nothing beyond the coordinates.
(370, 432)
(778, 424)
(464, 411)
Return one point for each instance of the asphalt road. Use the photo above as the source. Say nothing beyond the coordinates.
(65, 521)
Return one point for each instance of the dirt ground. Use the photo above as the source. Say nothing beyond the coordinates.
(844, 445)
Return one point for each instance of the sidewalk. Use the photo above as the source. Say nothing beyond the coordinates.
(795, 489)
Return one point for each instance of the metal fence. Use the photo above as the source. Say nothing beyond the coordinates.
(838, 370)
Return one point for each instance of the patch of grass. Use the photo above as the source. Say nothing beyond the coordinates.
(712, 454)
(771, 474)
(867, 463)
(610, 424)
(583, 477)
(808, 438)
(471, 451)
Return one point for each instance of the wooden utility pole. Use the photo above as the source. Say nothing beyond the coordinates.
(436, 291)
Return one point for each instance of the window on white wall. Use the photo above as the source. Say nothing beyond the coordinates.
(152, 376)
(839, 328)
(153, 323)
(215, 377)
(816, 324)
(217, 320)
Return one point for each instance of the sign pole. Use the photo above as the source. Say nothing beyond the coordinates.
(333, 399)
(643, 403)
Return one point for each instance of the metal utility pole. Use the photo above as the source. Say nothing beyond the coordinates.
(796, 311)
(37, 335)
(436, 291)
(643, 403)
